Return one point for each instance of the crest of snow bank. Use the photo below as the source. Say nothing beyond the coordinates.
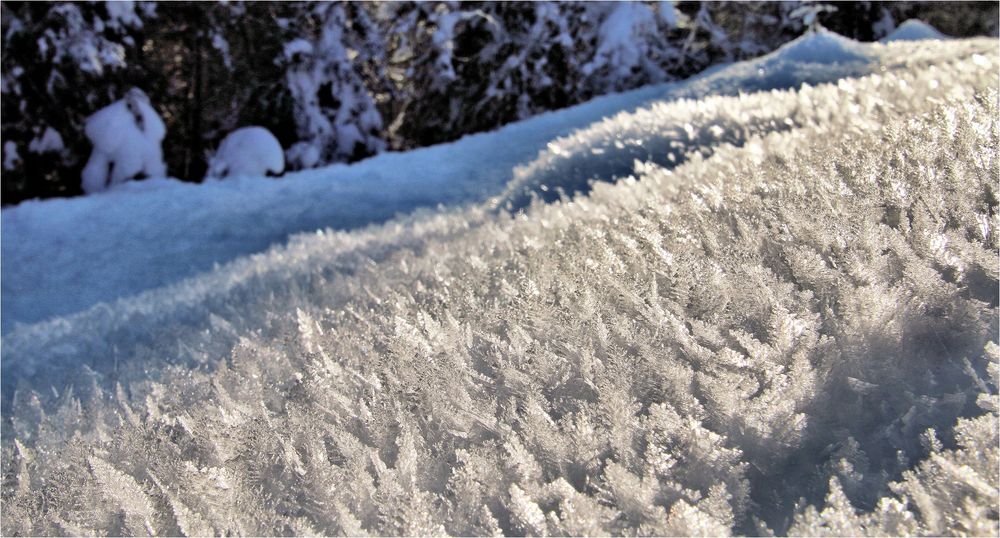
(687, 353)
(668, 133)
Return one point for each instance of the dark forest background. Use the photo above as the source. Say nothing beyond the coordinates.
(400, 75)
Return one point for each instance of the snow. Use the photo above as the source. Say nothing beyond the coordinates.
(809, 13)
(821, 46)
(49, 141)
(326, 65)
(220, 44)
(620, 36)
(691, 350)
(913, 30)
(66, 255)
(786, 316)
(11, 157)
(126, 136)
(121, 14)
(297, 47)
(124, 260)
(248, 151)
(668, 13)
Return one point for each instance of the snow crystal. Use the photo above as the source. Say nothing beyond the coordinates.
(50, 141)
(913, 30)
(248, 151)
(126, 136)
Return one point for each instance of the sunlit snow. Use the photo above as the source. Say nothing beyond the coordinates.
(65, 255)
(742, 312)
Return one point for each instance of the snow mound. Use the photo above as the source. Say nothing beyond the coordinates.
(913, 30)
(248, 151)
(126, 136)
(820, 47)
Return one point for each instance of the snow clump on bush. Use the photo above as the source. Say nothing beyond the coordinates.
(249, 151)
(126, 136)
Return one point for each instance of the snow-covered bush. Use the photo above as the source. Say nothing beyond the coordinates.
(689, 351)
(334, 109)
(629, 46)
(60, 60)
(248, 151)
(469, 67)
(126, 137)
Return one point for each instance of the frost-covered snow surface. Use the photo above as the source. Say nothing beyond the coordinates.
(144, 235)
(797, 306)
(248, 151)
(126, 136)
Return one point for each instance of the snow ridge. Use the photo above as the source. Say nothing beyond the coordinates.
(120, 248)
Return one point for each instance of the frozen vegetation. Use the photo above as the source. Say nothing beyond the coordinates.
(126, 137)
(249, 151)
(771, 312)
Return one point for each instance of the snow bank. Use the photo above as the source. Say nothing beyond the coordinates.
(248, 151)
(126, 136)
(913, 30)
(691, 351)
(42, 277)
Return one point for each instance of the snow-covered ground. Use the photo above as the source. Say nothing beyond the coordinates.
(764, 297)
(66, 255)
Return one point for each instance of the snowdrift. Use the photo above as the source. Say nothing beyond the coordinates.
(801, 311)
(67, 255)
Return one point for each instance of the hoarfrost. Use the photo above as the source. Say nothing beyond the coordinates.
(692, 350)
